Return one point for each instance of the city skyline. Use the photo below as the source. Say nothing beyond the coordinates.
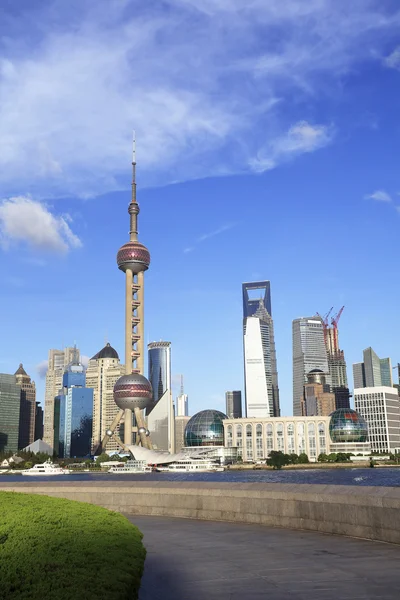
(266, 156)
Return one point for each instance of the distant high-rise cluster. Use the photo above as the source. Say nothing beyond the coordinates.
(373, 371)
(260, 368)
(19, 417)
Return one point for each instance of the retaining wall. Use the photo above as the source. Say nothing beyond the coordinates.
(365, 512)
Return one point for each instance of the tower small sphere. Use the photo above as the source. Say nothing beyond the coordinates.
(131, 391)
(134, 256)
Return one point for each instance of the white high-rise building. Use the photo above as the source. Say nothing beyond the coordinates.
(104, 370)
(260, 369)
(160, 414)
(380, 407)
(58, 360)
(182, 402)
(309, 352)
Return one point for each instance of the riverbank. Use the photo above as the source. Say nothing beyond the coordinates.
(313, 466)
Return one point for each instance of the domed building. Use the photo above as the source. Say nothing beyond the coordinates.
(349, 432)
(205, 429)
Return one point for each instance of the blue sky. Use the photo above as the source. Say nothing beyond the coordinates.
(267, 147)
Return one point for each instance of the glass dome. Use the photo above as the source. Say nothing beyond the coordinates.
(205, 429)
(346, 425)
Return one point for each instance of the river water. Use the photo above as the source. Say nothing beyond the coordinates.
(376, 477)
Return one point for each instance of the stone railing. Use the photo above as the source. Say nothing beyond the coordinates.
(365, 512)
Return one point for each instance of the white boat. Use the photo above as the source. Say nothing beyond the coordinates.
(131, 466)
(47, 468)
(189, 465)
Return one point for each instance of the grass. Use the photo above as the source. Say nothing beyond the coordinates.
(56, 548)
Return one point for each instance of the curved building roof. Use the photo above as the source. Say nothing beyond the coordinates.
(106, 352)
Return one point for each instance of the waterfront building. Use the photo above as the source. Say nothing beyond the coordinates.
(58, 360)
(205, 428)
(182, 402)
(256, 438)
(309, 352)
(260, 367)
(161, 422)
(133, 392)
(26, 434)
(73, 414)
(103, 371)
(348, 431)
(233, 401)
(180, 426)
(373, 371)
(159, 368)
(10, 402)
(318, 399)
(380, 407)
(38, 422)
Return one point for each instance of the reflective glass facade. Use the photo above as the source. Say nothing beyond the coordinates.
(159, 368)
(10, 398)
(346, 425)
(205, 429)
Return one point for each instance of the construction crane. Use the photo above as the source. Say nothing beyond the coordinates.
(325, 322)
(334, 341)
(335, 319)
(398, 370)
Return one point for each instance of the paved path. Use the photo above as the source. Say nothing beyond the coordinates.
(203, 560)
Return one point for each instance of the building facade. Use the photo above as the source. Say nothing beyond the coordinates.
(260, 366)
(180, 426)
(58, 360)
(38, 422)
(10, 401)
(233, 402)
(182, 402)
(159, 364)
(256, 438)
(73, 414)
(103, 371)
(318, 399)
(27, 413)
(373, 371)
(380, 407)
(309, 352)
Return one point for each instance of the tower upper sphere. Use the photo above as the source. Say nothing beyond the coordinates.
(134, 256)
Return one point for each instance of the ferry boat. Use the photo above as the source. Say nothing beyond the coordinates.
(200, 465)
(131, 466)
(47, 468)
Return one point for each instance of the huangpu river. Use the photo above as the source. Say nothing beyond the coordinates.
(350, 476)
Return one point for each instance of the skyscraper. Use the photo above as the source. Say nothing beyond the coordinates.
(38, 422)
(309, 352)
(182, 402)
(260, 369)
(159, 368)
(133, 392)
(233, 401)
(103, 371)
(380, 407)
(73, 413)
(58, 360)
(336, 361)
(27, 409)
(373, 372)
(160, 419)
(10, 400)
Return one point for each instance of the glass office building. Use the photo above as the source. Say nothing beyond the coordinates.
(233, 402)
(373, 372)
(10, 400)
(260, 367)
(159, 368)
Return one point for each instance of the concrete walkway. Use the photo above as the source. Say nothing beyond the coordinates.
(203, 560)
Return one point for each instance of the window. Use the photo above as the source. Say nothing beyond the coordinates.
(229, 436)
(290, 438)
(239, 433)
(270, 438)
(280, 438)
(259, 441)
(249, 442)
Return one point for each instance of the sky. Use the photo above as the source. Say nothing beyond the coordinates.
(267, 147)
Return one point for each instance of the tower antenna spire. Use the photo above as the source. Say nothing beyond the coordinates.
(182, 390)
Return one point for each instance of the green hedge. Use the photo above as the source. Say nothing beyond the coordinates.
(66, 550)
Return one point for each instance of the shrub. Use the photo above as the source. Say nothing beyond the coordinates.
(57, 548)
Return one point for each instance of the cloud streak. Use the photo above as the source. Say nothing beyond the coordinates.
(206, 236)
(25, 220)
(88, 73)
(383, 197)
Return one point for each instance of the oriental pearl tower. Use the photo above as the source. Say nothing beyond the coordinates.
(132, 391)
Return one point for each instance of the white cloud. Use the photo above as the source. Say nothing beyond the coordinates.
(301, 138)
(205, 236)
(379, 196)
(25, 220)
(85, 360)
(41, 368)
(198, 79)
(393, 60)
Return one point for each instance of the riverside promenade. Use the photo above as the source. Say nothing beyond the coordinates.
(253, 541)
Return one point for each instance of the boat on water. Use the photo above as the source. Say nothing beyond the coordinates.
(131, 466)
(199, 465)
(46, 468)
